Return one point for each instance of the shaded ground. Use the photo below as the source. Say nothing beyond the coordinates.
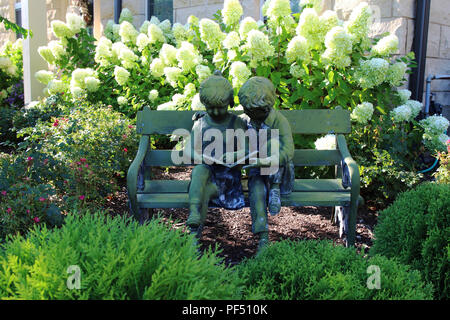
(231, 230)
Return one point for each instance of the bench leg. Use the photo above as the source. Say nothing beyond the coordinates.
(345, 218)
(353, 210)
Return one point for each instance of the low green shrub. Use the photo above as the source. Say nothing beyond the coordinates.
(316, 270)
(416, 230)
(118, 259)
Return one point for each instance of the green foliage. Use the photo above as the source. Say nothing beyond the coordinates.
(416, 230)
(317, 270)
(93, 143)
(15, 28)
(118, 259)
(442, 174)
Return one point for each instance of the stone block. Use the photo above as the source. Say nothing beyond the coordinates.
(445, 42)
(410, 36)
(198, 3)
(403, 8)
(107, 9)
(251, 9)
(440, 12)
(181, 15)
(380, 8)
(435, 66)
(137, 7)
(181, 4)
(397, 26)
(217, 1)
(434, 40)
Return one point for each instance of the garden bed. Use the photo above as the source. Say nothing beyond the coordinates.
(231, 230)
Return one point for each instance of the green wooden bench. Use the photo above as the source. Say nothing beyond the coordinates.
(341, 193)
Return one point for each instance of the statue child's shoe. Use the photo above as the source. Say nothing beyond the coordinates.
(274, 201)
(194, 220)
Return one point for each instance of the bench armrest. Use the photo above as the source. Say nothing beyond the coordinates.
(133, 172)
(351, 164)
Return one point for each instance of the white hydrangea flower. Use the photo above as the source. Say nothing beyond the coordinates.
(211, 34)
(404, 95)
(128, 58)
(144, 27)
(327, 142)
(166, 26)
(5, 62)
(77, 92)
(121, 75)
(189, 90)
(61, 30)
(172, 75)
(46, 54)
(239, 73)
(309, 26)
(92, 84)
(168, 106)
(153, 95)
(372, 72)
(401, 113)
(75, 22)
(193, 20)
(179, 32)
(80, 74)
(232, 12)
(218, 59)
(258, 46)
(116, 48)
(196, 104)
(360, 22)
(122, 100)
(246, 26)
(330, 20)
(339, 47)
(57, 49)
(297, 49)
(232, 40)
(203, 72)
(415, 106)
(316, 4)
(44, 76)
(108, 32)
(277, 9)
(386, 46)
(362, 113)
(187, 56)
(435, 142)
(396, 73)
(168, 54)
(154, 20)
(297, 71)
(435, 125)
(178, 99)
(157, 67)
(231, 54)
(56, 86)
(128, 33)
(142, 41)
(126, 15)
(155, 34)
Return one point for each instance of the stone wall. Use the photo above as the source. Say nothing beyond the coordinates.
(7, 10)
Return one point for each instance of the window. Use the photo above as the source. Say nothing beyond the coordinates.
(162, 9)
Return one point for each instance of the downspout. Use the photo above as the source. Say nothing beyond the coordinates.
(117, 10)
(416, 79)
(148, 9)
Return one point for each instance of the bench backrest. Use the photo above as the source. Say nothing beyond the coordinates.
(307, 122)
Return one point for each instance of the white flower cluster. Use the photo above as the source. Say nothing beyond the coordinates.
(404, 95)
(309, 26)
(239, 73)
(172, 74)
(7, 66)
(396, 73)
(297, 71)
(44, 76)
(277, 9)
(121, 75)
(297, 50)
(232, 12)
(153, 95)
(434, 137)
(180, 33)
(196, 104)
(401, 113)
(155, 34)
(211, 34)
(247, 24)
(338, 48)
(258, 47)
(83, 79)
(372, 72)
(157, 67)
(232, 40)
(203, 72)
(187, 56)
(386, 46)
(126, 15)
(362, 113)
(128, 33)
(327, 142)
(359, 23)
(168, 55)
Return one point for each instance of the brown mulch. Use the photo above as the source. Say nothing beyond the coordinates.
(231, 230)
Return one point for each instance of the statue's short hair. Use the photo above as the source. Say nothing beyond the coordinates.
(216, 91)
(257, 92)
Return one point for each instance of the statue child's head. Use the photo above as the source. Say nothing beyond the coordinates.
(257, 97)
(216, 94)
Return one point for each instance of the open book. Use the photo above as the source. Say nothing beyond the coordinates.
(231, 165)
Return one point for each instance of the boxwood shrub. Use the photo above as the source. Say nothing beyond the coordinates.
(416, 230)
(117, 259)
(317, 270)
